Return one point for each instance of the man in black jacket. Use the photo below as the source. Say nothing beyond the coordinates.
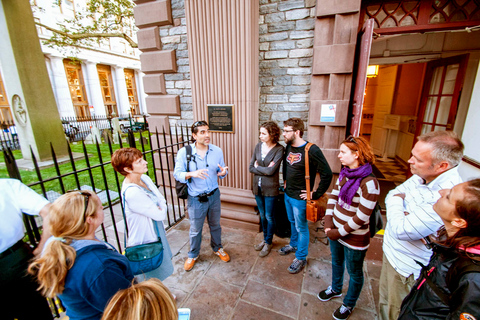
(295, 188)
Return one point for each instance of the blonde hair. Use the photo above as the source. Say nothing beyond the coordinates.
(67, 221)
(146, 300)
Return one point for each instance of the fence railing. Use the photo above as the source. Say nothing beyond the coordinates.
(95, 172)
(8, 136)
(77, 128)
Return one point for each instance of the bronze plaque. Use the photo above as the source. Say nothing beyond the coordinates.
(221, 117)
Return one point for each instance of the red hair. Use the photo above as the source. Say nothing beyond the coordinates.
(124, 158)
(362, 147)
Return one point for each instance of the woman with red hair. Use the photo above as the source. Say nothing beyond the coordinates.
(347, 221)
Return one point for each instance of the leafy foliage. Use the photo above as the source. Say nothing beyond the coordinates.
(98, 21)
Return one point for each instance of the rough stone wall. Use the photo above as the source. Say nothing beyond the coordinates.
(286, 54)
(175, 38)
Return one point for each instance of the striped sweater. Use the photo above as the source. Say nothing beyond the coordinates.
(350, 223)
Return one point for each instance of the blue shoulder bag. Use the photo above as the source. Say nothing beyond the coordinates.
(143, 257)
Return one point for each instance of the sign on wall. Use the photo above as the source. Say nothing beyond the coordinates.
(221, 117)
(328, 112)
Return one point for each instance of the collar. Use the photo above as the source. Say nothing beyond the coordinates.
(446, 176)
(194, 148)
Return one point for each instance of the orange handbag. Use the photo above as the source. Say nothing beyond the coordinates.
(315, 208)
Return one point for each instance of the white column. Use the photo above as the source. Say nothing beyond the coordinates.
(92, 83)
(140, 91)
(121, 93)
(60, 87)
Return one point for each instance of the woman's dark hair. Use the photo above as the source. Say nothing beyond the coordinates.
(272, 129)
(360, 145)
(468, 208)
(124, 158)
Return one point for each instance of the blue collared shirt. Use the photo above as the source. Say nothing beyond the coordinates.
(212, 159)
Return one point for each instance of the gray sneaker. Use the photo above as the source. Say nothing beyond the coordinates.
(286, 250)
(266, 250)
(259, 246)
(297, 266)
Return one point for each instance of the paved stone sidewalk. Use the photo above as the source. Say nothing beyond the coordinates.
(250, 287)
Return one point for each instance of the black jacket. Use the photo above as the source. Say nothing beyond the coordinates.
(269, 175)
(464, 298)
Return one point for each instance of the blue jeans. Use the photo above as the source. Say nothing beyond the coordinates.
(197, 211)
(342, 255)
(296, 212)
(265, 208)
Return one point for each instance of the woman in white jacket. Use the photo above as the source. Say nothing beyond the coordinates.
(144, 206)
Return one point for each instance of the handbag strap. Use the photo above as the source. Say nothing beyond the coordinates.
(125, 219)
(307, 169)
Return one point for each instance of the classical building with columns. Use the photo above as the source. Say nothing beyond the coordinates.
(103, 79)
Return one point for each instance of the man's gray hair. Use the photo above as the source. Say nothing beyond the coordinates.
(446, 145)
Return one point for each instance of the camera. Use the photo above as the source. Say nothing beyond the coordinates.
(203, 197)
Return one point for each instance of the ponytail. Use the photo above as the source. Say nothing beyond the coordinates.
(51, 269)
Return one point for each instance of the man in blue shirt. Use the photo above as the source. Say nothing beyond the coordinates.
(203, 200)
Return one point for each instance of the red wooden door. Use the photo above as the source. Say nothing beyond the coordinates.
(441, 92)
(363, 55)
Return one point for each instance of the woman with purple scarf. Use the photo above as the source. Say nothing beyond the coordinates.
(347, 221)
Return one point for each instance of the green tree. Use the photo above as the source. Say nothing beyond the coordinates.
(98, 21)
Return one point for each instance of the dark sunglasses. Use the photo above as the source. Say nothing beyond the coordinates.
(199, 124)
(351, 139)
(86, 196)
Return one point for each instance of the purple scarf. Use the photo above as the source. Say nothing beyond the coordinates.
(355, 176)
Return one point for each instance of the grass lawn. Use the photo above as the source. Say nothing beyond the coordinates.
(92, 177)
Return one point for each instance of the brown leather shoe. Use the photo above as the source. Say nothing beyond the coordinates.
(189, 263)
(223, 255)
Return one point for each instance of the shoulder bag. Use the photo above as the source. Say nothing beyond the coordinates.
(315, 208)
(180, 187)
(376, 221)
(143, 257)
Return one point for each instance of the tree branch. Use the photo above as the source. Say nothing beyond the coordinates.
(80, 36)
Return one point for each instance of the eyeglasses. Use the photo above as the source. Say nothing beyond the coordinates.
(288, 130)
(86, 196)
(351, 139)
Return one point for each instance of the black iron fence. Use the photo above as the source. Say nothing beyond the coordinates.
(95, 172)
(8, 136)
(77, 128)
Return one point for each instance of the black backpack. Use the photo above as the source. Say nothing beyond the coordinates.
(182, 188)
(376, 221)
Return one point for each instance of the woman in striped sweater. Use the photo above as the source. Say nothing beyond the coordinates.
(347, 221)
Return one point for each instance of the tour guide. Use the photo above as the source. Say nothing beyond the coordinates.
(205, 166)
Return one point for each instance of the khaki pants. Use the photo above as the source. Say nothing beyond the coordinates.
(393, 289)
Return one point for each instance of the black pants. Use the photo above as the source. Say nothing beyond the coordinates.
(19, 297)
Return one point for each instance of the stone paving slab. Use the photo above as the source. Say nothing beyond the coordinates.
(250, 287)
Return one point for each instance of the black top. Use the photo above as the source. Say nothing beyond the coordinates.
(270, 175)
(294, 171)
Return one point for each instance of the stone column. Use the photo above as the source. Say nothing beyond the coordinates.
(140, 91)
(60, 84)
(27, 83)
(121, 90)
(92, 83)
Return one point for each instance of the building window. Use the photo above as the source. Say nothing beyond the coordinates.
(132, 91)
(77, 88)
(106, 85)
(5, 113)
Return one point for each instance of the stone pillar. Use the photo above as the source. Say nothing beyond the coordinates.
(60, 84)
(140, 91)
(121, 90)
(28, 84)
(336, 30)
(92, 83)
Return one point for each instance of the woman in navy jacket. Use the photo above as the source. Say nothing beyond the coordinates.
(82, 270)
(449, 287)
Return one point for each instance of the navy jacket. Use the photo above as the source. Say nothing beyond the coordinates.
(97, 274)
